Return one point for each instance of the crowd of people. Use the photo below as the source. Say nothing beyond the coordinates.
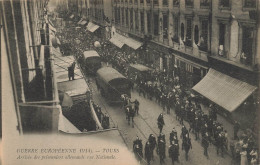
(169, 93)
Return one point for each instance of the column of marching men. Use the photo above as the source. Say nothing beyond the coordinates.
(168, 92)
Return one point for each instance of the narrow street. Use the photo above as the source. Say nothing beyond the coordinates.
(146, 123)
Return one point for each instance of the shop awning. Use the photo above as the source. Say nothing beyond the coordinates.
(120, 40)
(133, 43)
(83, 22)
(92, 27)
(116, 41)
(72, 16)
(224, 90)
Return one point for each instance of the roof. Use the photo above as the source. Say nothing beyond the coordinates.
(91, 53)
(74, 87)
(140, 67)
(224, 90)
(108, 74)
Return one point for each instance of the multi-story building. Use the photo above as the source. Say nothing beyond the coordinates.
(30, 97)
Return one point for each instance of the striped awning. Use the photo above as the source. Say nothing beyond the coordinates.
(224, 90)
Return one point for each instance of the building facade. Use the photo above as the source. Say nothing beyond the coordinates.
(25, 34)
(189, 35)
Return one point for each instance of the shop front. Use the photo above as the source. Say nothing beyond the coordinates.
(190, 73)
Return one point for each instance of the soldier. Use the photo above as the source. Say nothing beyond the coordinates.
(152, 141)
(184, 132)
(172, 135)
(205, 144)
(136, 102)
(174, 152)
(220, 144)
(196, 128)
(186, 145)
(160, 122)
(177, 108)
(182, 114)
(138, 148)
(148, 152)
(161, 150)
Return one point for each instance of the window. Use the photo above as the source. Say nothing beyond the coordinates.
(189, 3)
(142, 22)
(149, 22)
(165, 2)
(131, 19)
(196, 34)
(176, 2)
(222, 32)
(156, 23)
(126, 1)
(204, 36)
(118, 13)
(176, 30)
(136, 21)
(182, 31)
(188, 32)
(165, 26)
(247, 45)
(123, 16)
(148, 1)
(204, 3)
(135, 1)
(141, 1)
(126, 15)
(250, 3)
(130, 1)
(155, 2)
(224, 3)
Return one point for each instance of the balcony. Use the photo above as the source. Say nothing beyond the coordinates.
(204, 4)
(189, 50)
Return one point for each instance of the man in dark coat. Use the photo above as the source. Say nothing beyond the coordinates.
(136, 102)
(205, 144)
(160, 122)
(161, 150)
(236, 129)
(186, 145)
(138, 148)
(152, 141)
(174, 152)
(148, 152)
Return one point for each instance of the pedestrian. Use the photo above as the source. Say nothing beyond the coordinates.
(236, 129)
(148, 152)
(172, 135)
(138, 148)
(161, 150)
(160, 122)
(71, 71)
(136, 106)
(205, 144)
(173, 152)
(186, 145)
(243, 154)
(152, 141)
(220, 144)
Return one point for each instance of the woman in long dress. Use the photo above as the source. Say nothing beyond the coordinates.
(243, 154)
